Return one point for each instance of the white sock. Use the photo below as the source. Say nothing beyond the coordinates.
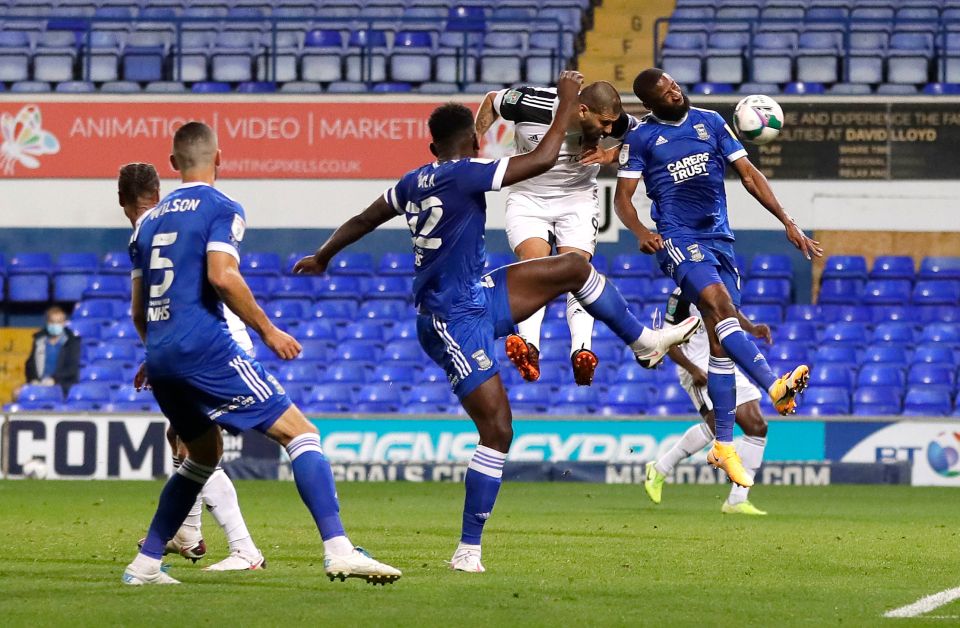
(751, 454)
(646, 342)
(191, 525)
(529, 329)
(338, 546)
(581, 325)
(692, 441)
(145, 564)
(220, 496)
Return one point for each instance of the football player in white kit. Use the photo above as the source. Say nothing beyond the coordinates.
(691, 360)
(139, 191)
(562, 203)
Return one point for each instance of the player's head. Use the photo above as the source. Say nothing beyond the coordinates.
(453, 131)
(600, 108)
(660, 94)
(195, 151)
(138, 189)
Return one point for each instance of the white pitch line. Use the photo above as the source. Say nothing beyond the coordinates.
(925, 604)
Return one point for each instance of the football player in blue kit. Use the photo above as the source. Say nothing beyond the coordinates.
(681, 153)
(460, 312)
(185, 255)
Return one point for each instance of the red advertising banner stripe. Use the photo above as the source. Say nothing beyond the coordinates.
(271, 139)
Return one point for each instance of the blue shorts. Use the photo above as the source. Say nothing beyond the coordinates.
(695, 264)
(463, 343)
(238, 396)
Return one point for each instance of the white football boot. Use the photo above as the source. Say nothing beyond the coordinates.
(134, 576)
(667, 337)
(467, 558)
(238, 562)
(359, 564)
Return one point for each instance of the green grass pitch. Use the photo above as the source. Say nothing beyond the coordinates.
(556, 555)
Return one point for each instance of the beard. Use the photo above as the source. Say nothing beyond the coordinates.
(673, 113)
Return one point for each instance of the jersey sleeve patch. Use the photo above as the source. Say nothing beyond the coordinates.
(238, 228)
(528, 104)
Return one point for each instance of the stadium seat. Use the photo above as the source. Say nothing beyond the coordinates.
(936, 293)
(889, 376)
(840, 291)
(831, 376)
(396, 264)
(876, 401)
(892, 267)
(316, 329)
(845, 267)
(940, 376)
(800, 88)
(390, 288)
(351, 263)
(886, 292)
(315, 349)
(362, 332)
(107, 287)
(404, 330)
(803, 332)
(946, 333)
(846, 314)
(935, 353)
(533, 397)
(339, 287)
(87, 329)
(939, 314)
(438, 394)
(387, 311)
(298, 372)
(841, 354)
(359, 352)
(398, 375)
(116, 263)
(262, 286)
(76, 263)
(122, 329)
(120, 352)
(339, 311)
(892, 313)
(347, 374)
(631, 372)
(44, 394)
(628, 398)
(803, 312)
(260, 264)
(939, 268)
(106, 374)
(885, 354)
(924, 401)
(632, 265)
(289, 309)
(762, 290)
(794, 352)
(771, 267)
(98, 309)
(770, 314)
(824, 401)
(899, 333)
(92, 393)
(329, 398)
(407, 351)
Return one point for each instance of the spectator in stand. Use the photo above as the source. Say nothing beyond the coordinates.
(55, 357)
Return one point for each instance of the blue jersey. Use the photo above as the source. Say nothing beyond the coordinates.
(682, 165)
(446, 210)
(186, 329)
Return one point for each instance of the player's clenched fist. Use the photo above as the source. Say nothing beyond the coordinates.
(310, 265)
(283, 344)
(568, 85)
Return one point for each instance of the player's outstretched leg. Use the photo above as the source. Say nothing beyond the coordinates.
(719, 314)
(750, 448)
(220, 497)
(535, 283)
(487, 405)
(693, 440)
(314, 479)
(188, 541)
(176, 499)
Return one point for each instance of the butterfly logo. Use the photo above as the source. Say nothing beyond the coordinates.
(24, 140)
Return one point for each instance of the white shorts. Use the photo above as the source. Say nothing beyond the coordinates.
(573, 219)
(746, 391)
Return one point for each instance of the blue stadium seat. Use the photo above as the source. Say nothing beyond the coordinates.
(85, 328)
(892, 313)
(831, 376)
(298, 372)
(940, 376)
(770, 314)
(803, 312)
(336, 310)
(628, 398)
(661, 289)
(847, 314)
(939, 314)
(632, 265)
(634, 373)
(924, 401)
(92, 393)
(634, 288)
(347, 374)
(387, 311)
(712, 89)
(586, 396)
(30, 263)
(936, 293)
(289, 309)
(390, 287)
(118, 352)
(122, 329)
(359, 352)
(840, 291)
(879, 375)
(76, 263)
(824, 401)
(28, 288)
(329, 398)
(774, 291)
(406, 351)
(887, 292)
(116, 263)
(107, 374)
(260, 264)
(892, 267)
(41, 394)
(339, 287)
(818, 56)
(685, 66)
(939, 268)
(364, 331)
(885, 354)
(316, 329)
(842, 354)
(431, 393)
(107, 287)
(211, 87)
(946, 333)
(296, 287)
(935, 353)
(771, 267)
(795, 352)
(559, 330)
(399, 375)
(350, 263)
(405, 329)
(534, 397)
(432, 374)
(100, 309)
(803, 332)
(396, 264)
(314, 350)
(845, 267)
(800, 88)
(908, 59)
(876, 401)
(899, 333)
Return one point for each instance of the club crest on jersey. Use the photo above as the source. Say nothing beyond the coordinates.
(701, 131)
(512, 97)
(624, 154)
(696, 255)
(238, 228)
(483, 362)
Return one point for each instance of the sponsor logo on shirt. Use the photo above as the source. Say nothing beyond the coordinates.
(661, 141)
(689, 167)
(624, 154)
(701, 131)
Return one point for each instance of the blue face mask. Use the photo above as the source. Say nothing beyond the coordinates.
(55, 329)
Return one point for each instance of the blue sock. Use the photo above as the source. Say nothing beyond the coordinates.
(177, 498)
(314, 479)
(601, 299)
(483, 479)
(722, 388)
(744, 352)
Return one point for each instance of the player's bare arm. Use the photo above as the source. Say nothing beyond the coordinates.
(758, 186)
(760, 331)
(648, 241)
(699, 377)
(376, 214)
(544, 156)
(223, 273)
(486, 114)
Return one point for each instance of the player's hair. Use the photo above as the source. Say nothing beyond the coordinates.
(194, 144)
(602, 98)
(135, 180)
(645, 82)
(449, 122)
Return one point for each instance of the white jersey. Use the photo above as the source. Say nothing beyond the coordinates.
(235, 326)
(532, 109)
